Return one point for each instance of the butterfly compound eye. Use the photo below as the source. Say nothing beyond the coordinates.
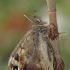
(15, 68)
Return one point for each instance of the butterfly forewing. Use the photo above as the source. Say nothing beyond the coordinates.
(21, 51)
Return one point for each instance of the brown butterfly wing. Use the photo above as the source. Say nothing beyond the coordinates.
(18, 57)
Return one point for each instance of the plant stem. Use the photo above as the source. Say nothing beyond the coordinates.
(54, 36)
(51, 5)
(53, 27)
(52, 11)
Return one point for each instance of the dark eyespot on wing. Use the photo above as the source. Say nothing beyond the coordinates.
(15, 68)
(16, 57)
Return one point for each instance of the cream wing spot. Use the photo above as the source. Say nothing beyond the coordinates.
(19, 51)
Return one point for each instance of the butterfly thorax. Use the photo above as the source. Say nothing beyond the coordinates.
(39, 26)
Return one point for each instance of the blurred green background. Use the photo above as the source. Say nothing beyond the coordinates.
(13, 25)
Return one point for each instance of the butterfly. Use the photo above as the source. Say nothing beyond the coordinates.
(33, 51)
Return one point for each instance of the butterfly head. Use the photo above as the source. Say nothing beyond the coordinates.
(38, 22)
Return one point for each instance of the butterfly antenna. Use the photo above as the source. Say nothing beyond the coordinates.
(28, 18)
(34, 12)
